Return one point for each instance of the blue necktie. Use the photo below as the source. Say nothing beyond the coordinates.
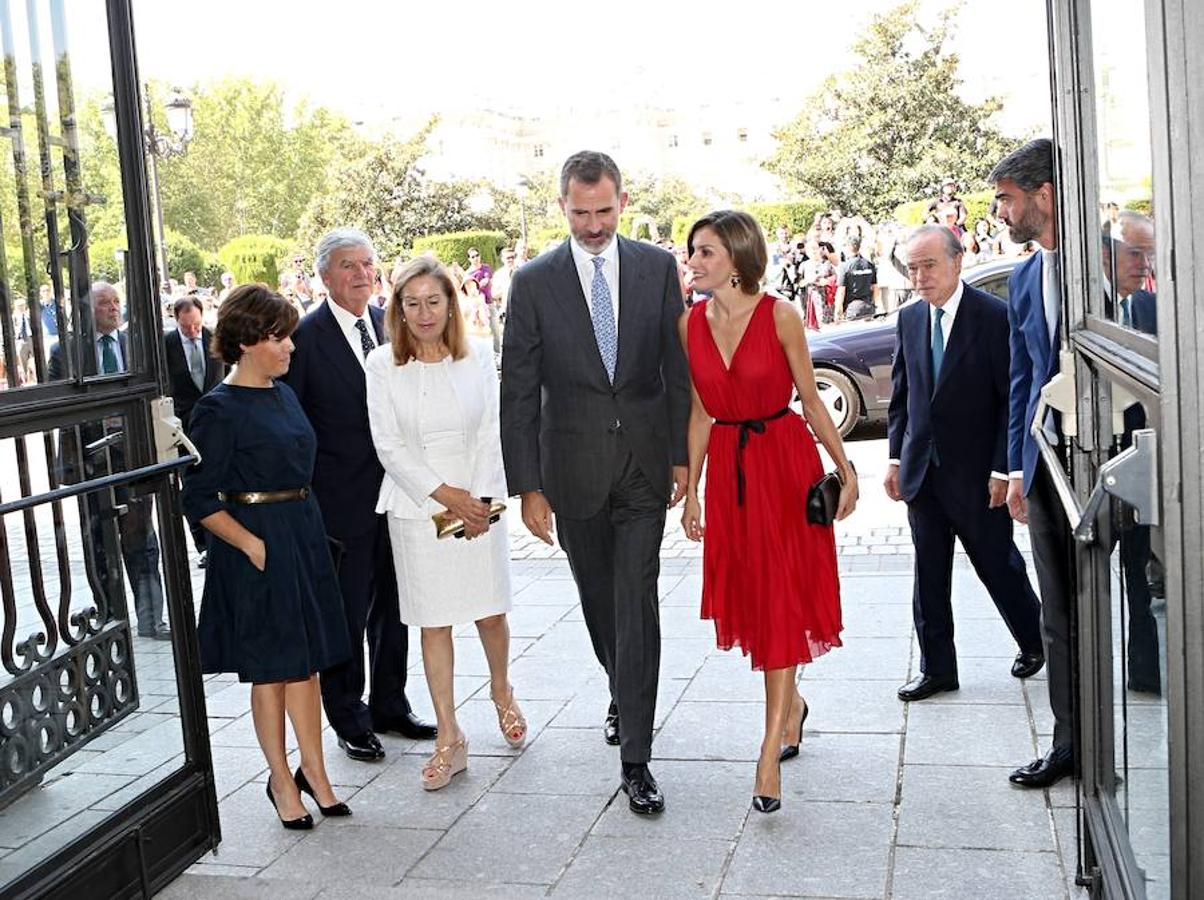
(602, 311)
(938, 347)
(108, 356)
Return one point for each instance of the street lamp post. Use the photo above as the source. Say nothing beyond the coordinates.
(159, 145)
(522, 188)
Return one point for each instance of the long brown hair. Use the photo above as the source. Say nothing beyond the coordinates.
(395, 323)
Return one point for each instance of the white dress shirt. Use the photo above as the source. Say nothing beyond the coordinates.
(100, 356)
(952, 305)
(347, 322)
(583, 259)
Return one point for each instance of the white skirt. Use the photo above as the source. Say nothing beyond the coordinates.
(451, 581)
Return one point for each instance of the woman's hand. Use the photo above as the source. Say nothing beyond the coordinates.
(464, 506)
(691, 519)
(256, 551)
(848, 496)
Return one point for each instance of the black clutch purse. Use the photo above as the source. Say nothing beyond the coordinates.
(823, 499)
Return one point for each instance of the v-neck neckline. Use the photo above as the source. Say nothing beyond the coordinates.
(727, 366)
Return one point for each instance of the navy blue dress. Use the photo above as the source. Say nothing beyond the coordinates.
(287, 621)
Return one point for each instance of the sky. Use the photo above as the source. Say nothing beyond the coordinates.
(379, 61)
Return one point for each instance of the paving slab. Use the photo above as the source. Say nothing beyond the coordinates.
(929, 874)
(607, 867)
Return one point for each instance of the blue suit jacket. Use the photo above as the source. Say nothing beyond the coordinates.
(333, 390)
(965, 417)
(1034, 362)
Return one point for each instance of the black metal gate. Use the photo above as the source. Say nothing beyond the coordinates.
(106, 783)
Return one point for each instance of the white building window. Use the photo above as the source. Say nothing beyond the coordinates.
(742, 135)
(707, 140)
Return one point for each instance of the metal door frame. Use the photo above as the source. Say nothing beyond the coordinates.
(144, 845)
(1169, 377)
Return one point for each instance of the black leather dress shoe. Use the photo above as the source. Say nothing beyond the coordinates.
(408, 725)
(610, 728)
(924, 686)
(643, 795)
(1027, 664)
(1045, 771)
(362, 747)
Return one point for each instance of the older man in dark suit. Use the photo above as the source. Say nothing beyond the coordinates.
(191, 373)
(947, 431)
(327, 374)
(595, 398)
(139, 544)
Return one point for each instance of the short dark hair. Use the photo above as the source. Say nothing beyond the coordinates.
(182, 305)
(742, 239)
(1030, 167)
(855, 243)
(251, 313)
(589, 167)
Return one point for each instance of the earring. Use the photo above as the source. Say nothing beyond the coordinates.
(735, 280)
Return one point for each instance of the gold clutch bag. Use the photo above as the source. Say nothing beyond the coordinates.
(448, 524)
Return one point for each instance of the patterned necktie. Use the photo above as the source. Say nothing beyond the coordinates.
(108, 357)
(366, 342)
(24, 335)
(938, 346)
(602, 311)
(196, 365)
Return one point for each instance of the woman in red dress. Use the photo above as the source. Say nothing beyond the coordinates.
(769, 576)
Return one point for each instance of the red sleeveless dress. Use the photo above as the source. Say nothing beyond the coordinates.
(769, 578)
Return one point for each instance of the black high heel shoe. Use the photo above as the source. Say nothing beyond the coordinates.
(766, 804)
(790, 751)
(304, 823)
(338, 809)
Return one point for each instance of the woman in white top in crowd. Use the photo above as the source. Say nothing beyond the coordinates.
(433, 408)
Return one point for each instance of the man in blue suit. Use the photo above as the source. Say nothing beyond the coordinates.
(327, 375)
(1026, 197)
(947, 430)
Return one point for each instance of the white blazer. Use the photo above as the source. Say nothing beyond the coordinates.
(393, 393)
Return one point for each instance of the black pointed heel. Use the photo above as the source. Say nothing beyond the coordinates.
(790, 751)
(338, 809)
(304, 823)
(764, 804)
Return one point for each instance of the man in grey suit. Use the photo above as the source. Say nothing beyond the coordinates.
(595, 398)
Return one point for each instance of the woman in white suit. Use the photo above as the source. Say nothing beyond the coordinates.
(433, 408)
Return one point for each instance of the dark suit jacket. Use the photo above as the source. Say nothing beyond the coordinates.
(559, 409)
(1033, 363)
(965, 417)
(180, 386)
(332, 387)
(68, 469)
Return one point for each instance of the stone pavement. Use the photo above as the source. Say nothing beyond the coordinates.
(886, 800)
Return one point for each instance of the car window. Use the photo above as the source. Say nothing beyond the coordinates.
(996, 284)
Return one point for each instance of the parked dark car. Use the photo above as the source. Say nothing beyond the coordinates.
(852, 362)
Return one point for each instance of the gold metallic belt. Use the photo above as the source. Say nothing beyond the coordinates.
(263, 496)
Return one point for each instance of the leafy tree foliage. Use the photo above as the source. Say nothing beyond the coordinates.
(890, 129)
(252, 165)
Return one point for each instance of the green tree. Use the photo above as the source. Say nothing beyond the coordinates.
(385, 193)
(892, 127)
(664, 198)
(252, 165)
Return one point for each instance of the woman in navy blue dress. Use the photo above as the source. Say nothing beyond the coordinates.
(271, 611)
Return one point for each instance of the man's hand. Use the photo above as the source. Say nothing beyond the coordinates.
(997, 490)
(537, 515)
(681, 474)
(1017, 505)
(891, 483)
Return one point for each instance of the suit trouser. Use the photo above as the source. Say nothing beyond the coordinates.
(200, 536)
(615, 559)
(1144, 669)
(1049, 533)
(939, 512)
(139, 546)
(369, 588)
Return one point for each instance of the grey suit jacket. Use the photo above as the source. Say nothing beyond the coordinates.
(561, 417)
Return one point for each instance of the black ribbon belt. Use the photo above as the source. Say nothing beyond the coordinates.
(748, 427)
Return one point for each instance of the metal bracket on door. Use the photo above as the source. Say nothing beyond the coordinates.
(1132, 478)
(169, 432)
